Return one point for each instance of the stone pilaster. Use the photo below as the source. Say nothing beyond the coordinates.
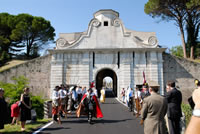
(56, 70)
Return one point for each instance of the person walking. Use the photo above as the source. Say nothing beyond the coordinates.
(25, 108)
(55, 105)
(153, 111)
(127, 95)
(103, 94)
(74, 98)
(69, 104)
(130, 102)
(79, 93)
(62, 93)
(83, 91)
(3, 109)
(123, 95)
(174, 113)
(137, 97)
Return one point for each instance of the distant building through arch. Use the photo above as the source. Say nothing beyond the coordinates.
(99, 80)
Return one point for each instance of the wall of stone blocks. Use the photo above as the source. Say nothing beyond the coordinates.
(36, 70)
(183, 72)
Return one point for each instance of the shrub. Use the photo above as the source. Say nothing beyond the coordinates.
(38, 105)
(187, 111)
(14, 91)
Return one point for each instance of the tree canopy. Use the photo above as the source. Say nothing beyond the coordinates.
(33, 32)
(24, 32)
(185, 13)
(7, 45)
(177, 51)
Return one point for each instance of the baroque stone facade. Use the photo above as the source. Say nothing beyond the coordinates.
(107, 48)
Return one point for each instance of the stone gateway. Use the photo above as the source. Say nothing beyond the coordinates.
(107, 48)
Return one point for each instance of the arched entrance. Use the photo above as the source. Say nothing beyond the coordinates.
(99, 80)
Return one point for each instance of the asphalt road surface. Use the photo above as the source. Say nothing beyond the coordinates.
(117, 120)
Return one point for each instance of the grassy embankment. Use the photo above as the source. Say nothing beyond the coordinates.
(11, 64)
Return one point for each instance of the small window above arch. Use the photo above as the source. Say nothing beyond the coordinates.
(105, 23)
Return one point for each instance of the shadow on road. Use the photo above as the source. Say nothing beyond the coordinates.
(54, 129)
(109, 103)
(103, 121)
(96, 121)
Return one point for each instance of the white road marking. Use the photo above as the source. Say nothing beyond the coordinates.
(124, 104)
(121, 102)
(39, 130)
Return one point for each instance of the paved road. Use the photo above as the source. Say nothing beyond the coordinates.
(116, 120)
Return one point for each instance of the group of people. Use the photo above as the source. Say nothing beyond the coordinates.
(66, 99)
(134, 99)
(21, 110)
(157, 112)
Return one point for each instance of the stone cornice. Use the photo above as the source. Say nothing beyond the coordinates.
(52, 51)
(106, 11)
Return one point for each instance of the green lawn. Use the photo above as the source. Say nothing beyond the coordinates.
(16, 129)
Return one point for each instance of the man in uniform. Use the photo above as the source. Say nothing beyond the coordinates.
(153, 111)
(145, 92)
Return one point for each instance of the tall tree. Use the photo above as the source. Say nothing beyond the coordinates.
(193, 25)
(169, 10)
(34, 32)
(7, 45)
(186, 14)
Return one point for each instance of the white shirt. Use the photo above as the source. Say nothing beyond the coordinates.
(127, 93)
(79, 91)
(55, 95)
(62, 93)
(137, 94)
(74, 95)
(94, 91)
(84, 91)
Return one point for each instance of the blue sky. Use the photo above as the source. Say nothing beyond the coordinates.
(68, 16)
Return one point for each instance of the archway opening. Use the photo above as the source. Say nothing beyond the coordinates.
(111, 78)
